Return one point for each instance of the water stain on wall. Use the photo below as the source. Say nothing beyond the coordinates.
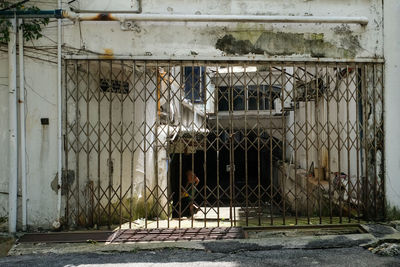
(286, 44)
(68, 178)
(231, 45)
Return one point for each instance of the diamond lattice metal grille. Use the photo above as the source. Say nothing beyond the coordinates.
(165, 144)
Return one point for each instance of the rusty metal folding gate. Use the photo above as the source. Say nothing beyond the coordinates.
(162, 144)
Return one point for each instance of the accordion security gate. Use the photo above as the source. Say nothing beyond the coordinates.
(271, 143)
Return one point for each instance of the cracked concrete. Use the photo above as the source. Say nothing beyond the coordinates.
(327, 250)
(354, 256)
(220, 246)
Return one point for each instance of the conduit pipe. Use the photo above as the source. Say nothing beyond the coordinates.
(22, 144)
(211, 18)
(59, 119)
(13, 134)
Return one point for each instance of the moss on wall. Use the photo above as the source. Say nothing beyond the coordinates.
(392, 213)
(134, 207)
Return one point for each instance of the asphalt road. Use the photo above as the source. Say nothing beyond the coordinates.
(354, 256)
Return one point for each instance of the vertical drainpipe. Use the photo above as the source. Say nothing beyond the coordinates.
(59, 117)
(391, 102)
(12, 109)
(21, 105)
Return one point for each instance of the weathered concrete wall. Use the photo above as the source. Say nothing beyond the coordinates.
(4, 135)
(41, 152)
(318, 40)
(170, 39)
(317, 117)
(392, 99)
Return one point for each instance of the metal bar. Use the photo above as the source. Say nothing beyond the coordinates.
(284, 138)
(90, 209)
(144, 146)
(271, 184)
(295, 147)
(110, 161)
(133, 148)
(375, 141)
(168, 145)
(232, 59)
(121, 98)
(194, 144)
(366, 146)
(317, 122)
(77, 121)
(259, 208)
(99, 132)
(181, 88)
(233, 131)
(348, 144)
(246, 99)
(232, 147)
(218, 139)
(328, 99)
(383, 160)
(307, 148)
(338, 142)
(203, 83)
(358, 133)
(155, 142)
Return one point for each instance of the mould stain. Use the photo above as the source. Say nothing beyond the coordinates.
(231, 45)
(347, 38)
(286, 44)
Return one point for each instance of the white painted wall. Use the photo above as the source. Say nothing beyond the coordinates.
(392, 100)
(166, 39)
(106, 5)
(179, 39)
(341, 117)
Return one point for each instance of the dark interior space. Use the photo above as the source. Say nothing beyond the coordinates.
(259, 170)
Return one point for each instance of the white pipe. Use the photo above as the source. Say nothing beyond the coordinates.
(212, 18)
(22, 145)
(13, 131)
(59, 118)
(391, 109)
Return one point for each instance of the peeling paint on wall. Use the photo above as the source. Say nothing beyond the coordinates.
(68, 178)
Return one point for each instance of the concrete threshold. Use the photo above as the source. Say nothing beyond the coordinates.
(272, 238)
(220, 246)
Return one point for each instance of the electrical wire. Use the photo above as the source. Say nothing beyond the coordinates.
(38, 94)
(14, 5)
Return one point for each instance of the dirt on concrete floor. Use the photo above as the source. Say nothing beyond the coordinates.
(6, 244)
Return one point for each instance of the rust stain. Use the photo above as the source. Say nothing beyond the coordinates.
(108, 54)
(104, 17)
(95, 17)
(159, 77)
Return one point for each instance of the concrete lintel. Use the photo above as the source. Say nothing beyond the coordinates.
(249, 58)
